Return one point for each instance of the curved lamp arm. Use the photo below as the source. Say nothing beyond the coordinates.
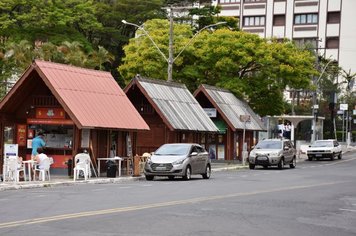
(146, 33)
(191, 40)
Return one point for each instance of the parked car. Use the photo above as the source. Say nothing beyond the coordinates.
(328, 148)
(178, 159)
(273, 152)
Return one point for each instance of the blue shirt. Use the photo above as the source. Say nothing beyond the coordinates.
(37, 142)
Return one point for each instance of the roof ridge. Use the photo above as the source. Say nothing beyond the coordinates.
(67, 67)
(138, 77)
(211, 87)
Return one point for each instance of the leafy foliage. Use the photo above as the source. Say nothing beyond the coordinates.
(251, 67)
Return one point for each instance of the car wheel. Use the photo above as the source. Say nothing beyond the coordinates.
(332, 157)
(293, 164)
(281, 164)
(340, 156)
(265, 167)
(207, 173)
(251, 166)
(149, 177)
(188, 173)
(171, 177)
(310, 158)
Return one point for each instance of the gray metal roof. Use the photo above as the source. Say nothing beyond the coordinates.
(178, 105)
(232, 108)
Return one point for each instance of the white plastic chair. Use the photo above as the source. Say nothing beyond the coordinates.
(14, 167)
(44, 169)
(82, 163)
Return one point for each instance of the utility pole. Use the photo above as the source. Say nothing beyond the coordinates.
(170, 49)
(314, 99)
(171, 59)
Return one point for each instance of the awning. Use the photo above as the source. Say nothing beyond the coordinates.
(221, 126)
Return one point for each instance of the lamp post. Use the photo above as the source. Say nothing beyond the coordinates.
(170, 60)
(315, 105)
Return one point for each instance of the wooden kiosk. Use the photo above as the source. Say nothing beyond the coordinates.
(76, 108)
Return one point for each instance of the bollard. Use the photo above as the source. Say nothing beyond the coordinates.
(136, 165)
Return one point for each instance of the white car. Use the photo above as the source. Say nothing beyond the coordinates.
(324, 149)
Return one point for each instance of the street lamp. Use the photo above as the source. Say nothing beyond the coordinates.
(170, 60)
(316, 106)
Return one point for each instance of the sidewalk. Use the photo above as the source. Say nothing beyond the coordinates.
(61, 180)
(68, 181)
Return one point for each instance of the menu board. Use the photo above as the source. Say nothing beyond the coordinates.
(21, 135)
(85, 138)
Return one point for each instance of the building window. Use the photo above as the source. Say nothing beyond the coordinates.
(332, 42)
(279, 20)
(333, 17)
(228, 1)
(254, 0)
(254, 20)
(306, 42)
(303, 19)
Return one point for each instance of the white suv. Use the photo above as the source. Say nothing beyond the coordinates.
(273, 152)
(324, 149)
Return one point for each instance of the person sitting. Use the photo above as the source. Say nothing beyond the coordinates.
(39, 158)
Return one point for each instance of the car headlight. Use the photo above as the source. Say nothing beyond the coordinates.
(275, 154)
(178, 162)
(252, 154)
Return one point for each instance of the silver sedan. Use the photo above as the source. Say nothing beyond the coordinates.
(178, 159)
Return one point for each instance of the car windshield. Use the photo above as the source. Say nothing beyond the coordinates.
(173, 149)
(269, 144)
(322, 144)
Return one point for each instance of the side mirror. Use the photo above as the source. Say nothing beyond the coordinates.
(309, 146)
(194, 154)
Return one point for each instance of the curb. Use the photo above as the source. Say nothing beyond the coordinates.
(15, 186)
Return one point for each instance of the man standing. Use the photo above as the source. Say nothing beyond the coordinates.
(37, 142)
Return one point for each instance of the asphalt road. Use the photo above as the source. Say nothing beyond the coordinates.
(316, 198)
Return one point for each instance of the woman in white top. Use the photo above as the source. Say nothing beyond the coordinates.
(40, 157)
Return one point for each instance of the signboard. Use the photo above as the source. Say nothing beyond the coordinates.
(316, 106)
(221, 152)
(211, 112)
(11, 150)
(85, 138)
(21, 135)
(50, 121)
(50, 113)
(128, 145)
(344, 106)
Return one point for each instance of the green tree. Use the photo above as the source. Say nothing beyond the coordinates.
(99, 58)
(253, 68)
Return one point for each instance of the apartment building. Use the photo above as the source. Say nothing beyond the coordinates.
(329, 25)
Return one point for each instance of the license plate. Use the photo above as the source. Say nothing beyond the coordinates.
(318, 155)
(263, 158)
(160, 168)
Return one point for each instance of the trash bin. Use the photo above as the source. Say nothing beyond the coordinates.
(111, 169)
(70, 166)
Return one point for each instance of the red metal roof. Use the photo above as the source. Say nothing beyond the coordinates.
(92, 98)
